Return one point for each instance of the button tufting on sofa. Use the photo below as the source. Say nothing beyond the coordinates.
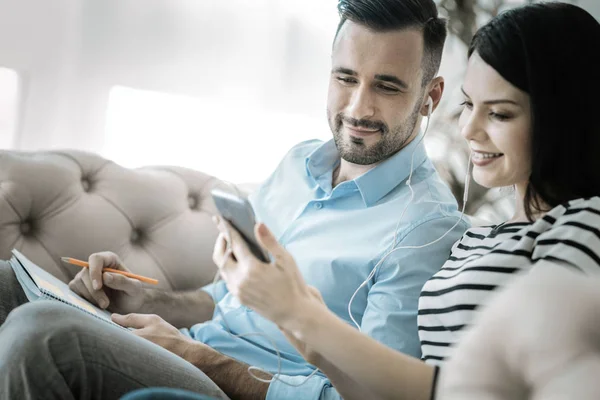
(85, 184)
(192, 201)
(141, 214)
(136, 236)
(26, 228)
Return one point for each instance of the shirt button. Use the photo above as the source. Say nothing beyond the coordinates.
(318, 205)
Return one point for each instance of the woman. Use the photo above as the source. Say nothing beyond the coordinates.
(529, 120)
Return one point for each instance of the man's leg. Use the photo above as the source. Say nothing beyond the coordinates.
(11, 294)
(51, 350)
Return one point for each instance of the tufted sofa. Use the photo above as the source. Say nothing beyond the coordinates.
(72, 203)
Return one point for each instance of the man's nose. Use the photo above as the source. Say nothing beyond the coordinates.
(361, 105)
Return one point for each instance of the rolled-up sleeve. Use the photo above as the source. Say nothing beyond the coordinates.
(216, 290)
(392, 304)
(316, 388)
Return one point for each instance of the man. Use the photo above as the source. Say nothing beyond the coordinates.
(335, 206)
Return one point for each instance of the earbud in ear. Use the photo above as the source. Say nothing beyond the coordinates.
(429, 106)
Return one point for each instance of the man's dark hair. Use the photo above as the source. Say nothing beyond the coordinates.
(389, 15)
(546, 51)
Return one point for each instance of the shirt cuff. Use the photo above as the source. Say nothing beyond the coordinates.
(216, 290)
(316, 388)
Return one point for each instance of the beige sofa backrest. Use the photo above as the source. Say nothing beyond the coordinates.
(72, 203)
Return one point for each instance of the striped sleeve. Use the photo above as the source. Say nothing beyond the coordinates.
(574, 237)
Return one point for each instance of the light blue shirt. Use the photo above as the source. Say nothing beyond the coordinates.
(336, 236)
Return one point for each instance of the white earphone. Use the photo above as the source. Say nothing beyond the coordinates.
(393, 247)
(429, 106)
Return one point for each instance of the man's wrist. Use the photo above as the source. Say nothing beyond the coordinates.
(229, 374)
(180, 309)
(194, 353)
(148, 300)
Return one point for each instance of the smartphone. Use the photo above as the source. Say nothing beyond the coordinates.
(239, 213)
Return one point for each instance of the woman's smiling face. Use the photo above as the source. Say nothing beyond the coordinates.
(496, 122)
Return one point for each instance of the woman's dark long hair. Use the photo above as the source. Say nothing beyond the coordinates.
(552, 52)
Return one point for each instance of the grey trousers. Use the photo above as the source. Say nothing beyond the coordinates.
(49, 350)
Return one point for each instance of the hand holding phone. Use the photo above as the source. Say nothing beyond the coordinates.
(238, 212)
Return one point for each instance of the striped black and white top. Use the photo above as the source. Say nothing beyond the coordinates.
(487, 258)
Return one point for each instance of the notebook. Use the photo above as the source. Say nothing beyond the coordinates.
(39, 284)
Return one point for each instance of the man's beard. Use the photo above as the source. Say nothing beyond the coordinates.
(354, 150)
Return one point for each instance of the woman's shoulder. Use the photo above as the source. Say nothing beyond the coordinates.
(579, 207)
(580, 211)
(590, 204)
(492, 231)
(571, 233)
(476, 233)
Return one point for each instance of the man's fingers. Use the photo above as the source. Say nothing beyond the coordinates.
(77, 286)
(97, 262)
(98, 296)
(81, 285)
(121, 282)
(135, 321)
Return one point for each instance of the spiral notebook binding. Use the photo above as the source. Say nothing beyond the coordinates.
(47, 295)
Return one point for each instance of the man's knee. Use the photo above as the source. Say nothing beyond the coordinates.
(42, 326)
(11, 293)
(48, 315)
(7, 276)
(40, 342)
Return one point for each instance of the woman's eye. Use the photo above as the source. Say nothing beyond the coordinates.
(346, 80)
(500, 117)
(467, 104)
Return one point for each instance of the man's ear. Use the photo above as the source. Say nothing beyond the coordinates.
(435, 91)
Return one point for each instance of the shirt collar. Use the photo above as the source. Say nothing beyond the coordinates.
(375, 183)
(320, 164)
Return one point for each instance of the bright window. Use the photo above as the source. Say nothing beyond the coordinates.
(228, 89)
(238, 144)
(9, 104)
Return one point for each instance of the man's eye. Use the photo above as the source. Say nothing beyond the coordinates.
(388, 88)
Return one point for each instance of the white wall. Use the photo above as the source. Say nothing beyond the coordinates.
(39, 40)
(71, 52)
(592, 6)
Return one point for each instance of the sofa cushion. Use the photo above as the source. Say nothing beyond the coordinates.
(73, 203)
